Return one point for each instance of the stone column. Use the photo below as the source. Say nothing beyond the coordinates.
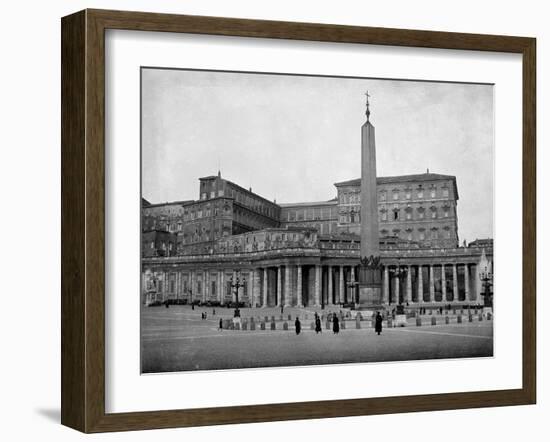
(455, 284)
(477, 295)
(466, 283)
(256, 291)
(443, 284)
(386, 296)
(408, 293)
(250, 288)
(432, 288)
(299, 286)
(233, 292)
(329, 292)
(352, 288)
(264, 303)
(288, 279)
(317, 286)
(420, 286)
(341, 286)
(220, 286)
(279, 285)
(396, 290)
(193, 276)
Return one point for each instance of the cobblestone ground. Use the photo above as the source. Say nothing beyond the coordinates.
(178, 339)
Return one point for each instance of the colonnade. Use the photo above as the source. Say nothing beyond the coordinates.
(320, 285)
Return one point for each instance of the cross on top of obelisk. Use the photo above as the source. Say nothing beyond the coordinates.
(367, 112)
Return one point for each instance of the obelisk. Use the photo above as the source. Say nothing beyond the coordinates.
(370, 273)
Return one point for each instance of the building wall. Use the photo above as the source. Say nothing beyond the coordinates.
(322, 216)
(420, 209)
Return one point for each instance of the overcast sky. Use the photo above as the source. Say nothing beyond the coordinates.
(292, 137)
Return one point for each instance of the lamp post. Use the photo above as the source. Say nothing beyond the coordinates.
(399, 272)
(236, 283)
(486, 278)
(352, 286)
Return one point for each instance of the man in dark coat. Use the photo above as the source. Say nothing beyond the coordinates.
(378, 323)
(335, 324)
(318, 328)
(298, 325)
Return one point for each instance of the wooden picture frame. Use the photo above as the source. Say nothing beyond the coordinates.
(83, 220)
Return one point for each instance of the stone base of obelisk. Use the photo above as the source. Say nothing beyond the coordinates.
(370, 298)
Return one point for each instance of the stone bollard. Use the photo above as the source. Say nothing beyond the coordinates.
(489, 316)
(312, 326)
(285, 325)
(434, 320)
(480, 317)
(252, 325)
(262, 325)
(273, 327)
(237, 326)
(470, 318)
(358, 321)
(459, 319)
(245, 325)
(343, 325)
(446, 319)
(418, 321)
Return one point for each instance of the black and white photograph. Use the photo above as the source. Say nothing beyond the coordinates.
(298, 220)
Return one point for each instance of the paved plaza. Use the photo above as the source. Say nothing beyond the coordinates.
(178, 339)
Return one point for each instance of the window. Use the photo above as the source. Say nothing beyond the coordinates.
(409, 215)
(220, 192)
(446, 213)
(152, 244)
(409, 236)
(382, 196)
(199, 287)
(422, 235)
(408, 194)
(434, 234)
(213, 288)
(432, 192)
(420, 193)
(396, 214)
(445, 192)
(203, 196)
(434, 213)
(384, 216)
(395, 195)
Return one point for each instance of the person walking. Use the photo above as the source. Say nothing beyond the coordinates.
(220, 326)
(298, 325)
(335, 325)
(318, 324)
(378, 323)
